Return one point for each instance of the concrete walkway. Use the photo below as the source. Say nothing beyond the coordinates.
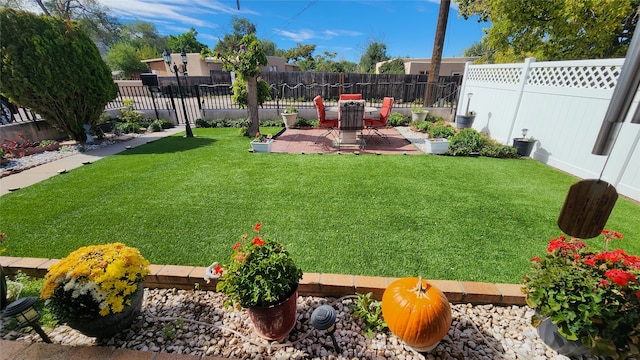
(42, 172)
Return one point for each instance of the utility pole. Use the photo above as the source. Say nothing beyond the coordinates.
(436, 58)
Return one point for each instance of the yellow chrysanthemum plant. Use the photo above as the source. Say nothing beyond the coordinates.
(94, 281)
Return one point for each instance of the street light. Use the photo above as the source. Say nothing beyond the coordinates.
(25, 314)
(167, 59)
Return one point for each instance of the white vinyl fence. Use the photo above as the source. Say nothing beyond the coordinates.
(562, 104)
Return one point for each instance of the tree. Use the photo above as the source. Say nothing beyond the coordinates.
(60, 76)
(300, 52)
(231, 42)
(143, 34)
(94, 17)
(245, 61)
(395, 66)
(481, 50)
(269, 47)
(375, 53)
(124, 57)
(555, 30)
(186, 42)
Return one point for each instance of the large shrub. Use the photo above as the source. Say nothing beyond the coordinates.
(52, 67)
(466, 142)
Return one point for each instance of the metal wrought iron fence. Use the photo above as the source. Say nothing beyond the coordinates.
(205, 97)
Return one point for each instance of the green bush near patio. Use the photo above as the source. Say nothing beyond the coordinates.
(186, 200)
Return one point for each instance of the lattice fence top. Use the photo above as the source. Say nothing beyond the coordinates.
(568, 74)
(585, 77)
(507, 75)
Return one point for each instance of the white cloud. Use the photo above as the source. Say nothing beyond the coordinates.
(168, 11)
(306, 34)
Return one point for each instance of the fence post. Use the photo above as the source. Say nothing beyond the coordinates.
(526, 67)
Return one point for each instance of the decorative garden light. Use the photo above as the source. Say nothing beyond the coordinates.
(469, 95)
(25, 314)
(524, 132)
(167, 59)
(323, 318)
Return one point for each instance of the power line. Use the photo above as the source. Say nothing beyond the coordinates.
(309, 4)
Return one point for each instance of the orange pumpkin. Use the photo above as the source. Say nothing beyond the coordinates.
(416, 312)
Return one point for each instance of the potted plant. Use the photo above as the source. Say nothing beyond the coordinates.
(524, 145)
(97, 289)
(438, 140)
(261, 277)
(418, 113)
(466, 120)
(289, 116)
(593, 297)
(262, 143)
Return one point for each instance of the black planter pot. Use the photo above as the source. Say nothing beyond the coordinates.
(3, 290)
(549, 334)
(463, 121)
(524, 147)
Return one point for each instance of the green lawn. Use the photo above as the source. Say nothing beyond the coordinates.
(187, 200)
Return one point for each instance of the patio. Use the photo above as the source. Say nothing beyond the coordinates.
(298, 141)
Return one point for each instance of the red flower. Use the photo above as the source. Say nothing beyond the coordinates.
(604, 282)
(257, 227)
(620, 277)
(610, 234)
(589, 262)
(258, 241)
(537, 259)
(638, 293)
(218, 270)
(237, 245)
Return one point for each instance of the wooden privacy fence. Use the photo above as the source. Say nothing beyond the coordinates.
(562, 104)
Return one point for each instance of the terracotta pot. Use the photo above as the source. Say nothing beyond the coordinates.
(112, 324)
(276, 321)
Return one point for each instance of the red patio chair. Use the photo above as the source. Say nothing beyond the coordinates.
(373, 124)
(351, 97)
(323, 122)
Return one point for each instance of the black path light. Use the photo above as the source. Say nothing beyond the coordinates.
(167, 59)
(25, 314)
(323, 318)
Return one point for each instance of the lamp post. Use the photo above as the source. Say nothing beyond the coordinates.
(25, 314)
(167, 59)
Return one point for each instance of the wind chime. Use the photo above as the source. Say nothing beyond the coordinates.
(590, 202)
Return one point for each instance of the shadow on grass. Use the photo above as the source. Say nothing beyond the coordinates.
(170, 144)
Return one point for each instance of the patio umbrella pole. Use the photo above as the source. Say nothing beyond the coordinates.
(589, 202)
(623, 94)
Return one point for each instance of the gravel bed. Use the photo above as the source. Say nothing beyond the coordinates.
(16, 165)
(196, 322)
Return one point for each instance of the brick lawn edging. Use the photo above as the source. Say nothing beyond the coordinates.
(312, 284)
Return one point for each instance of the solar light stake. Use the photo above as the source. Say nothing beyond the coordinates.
(324, 318)
(25, 314)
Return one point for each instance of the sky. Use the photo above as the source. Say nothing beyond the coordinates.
(345, 27)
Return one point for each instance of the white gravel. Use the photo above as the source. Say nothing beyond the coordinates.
(27, 162)
(195, 322)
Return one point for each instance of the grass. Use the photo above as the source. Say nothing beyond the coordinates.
(186, 201)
